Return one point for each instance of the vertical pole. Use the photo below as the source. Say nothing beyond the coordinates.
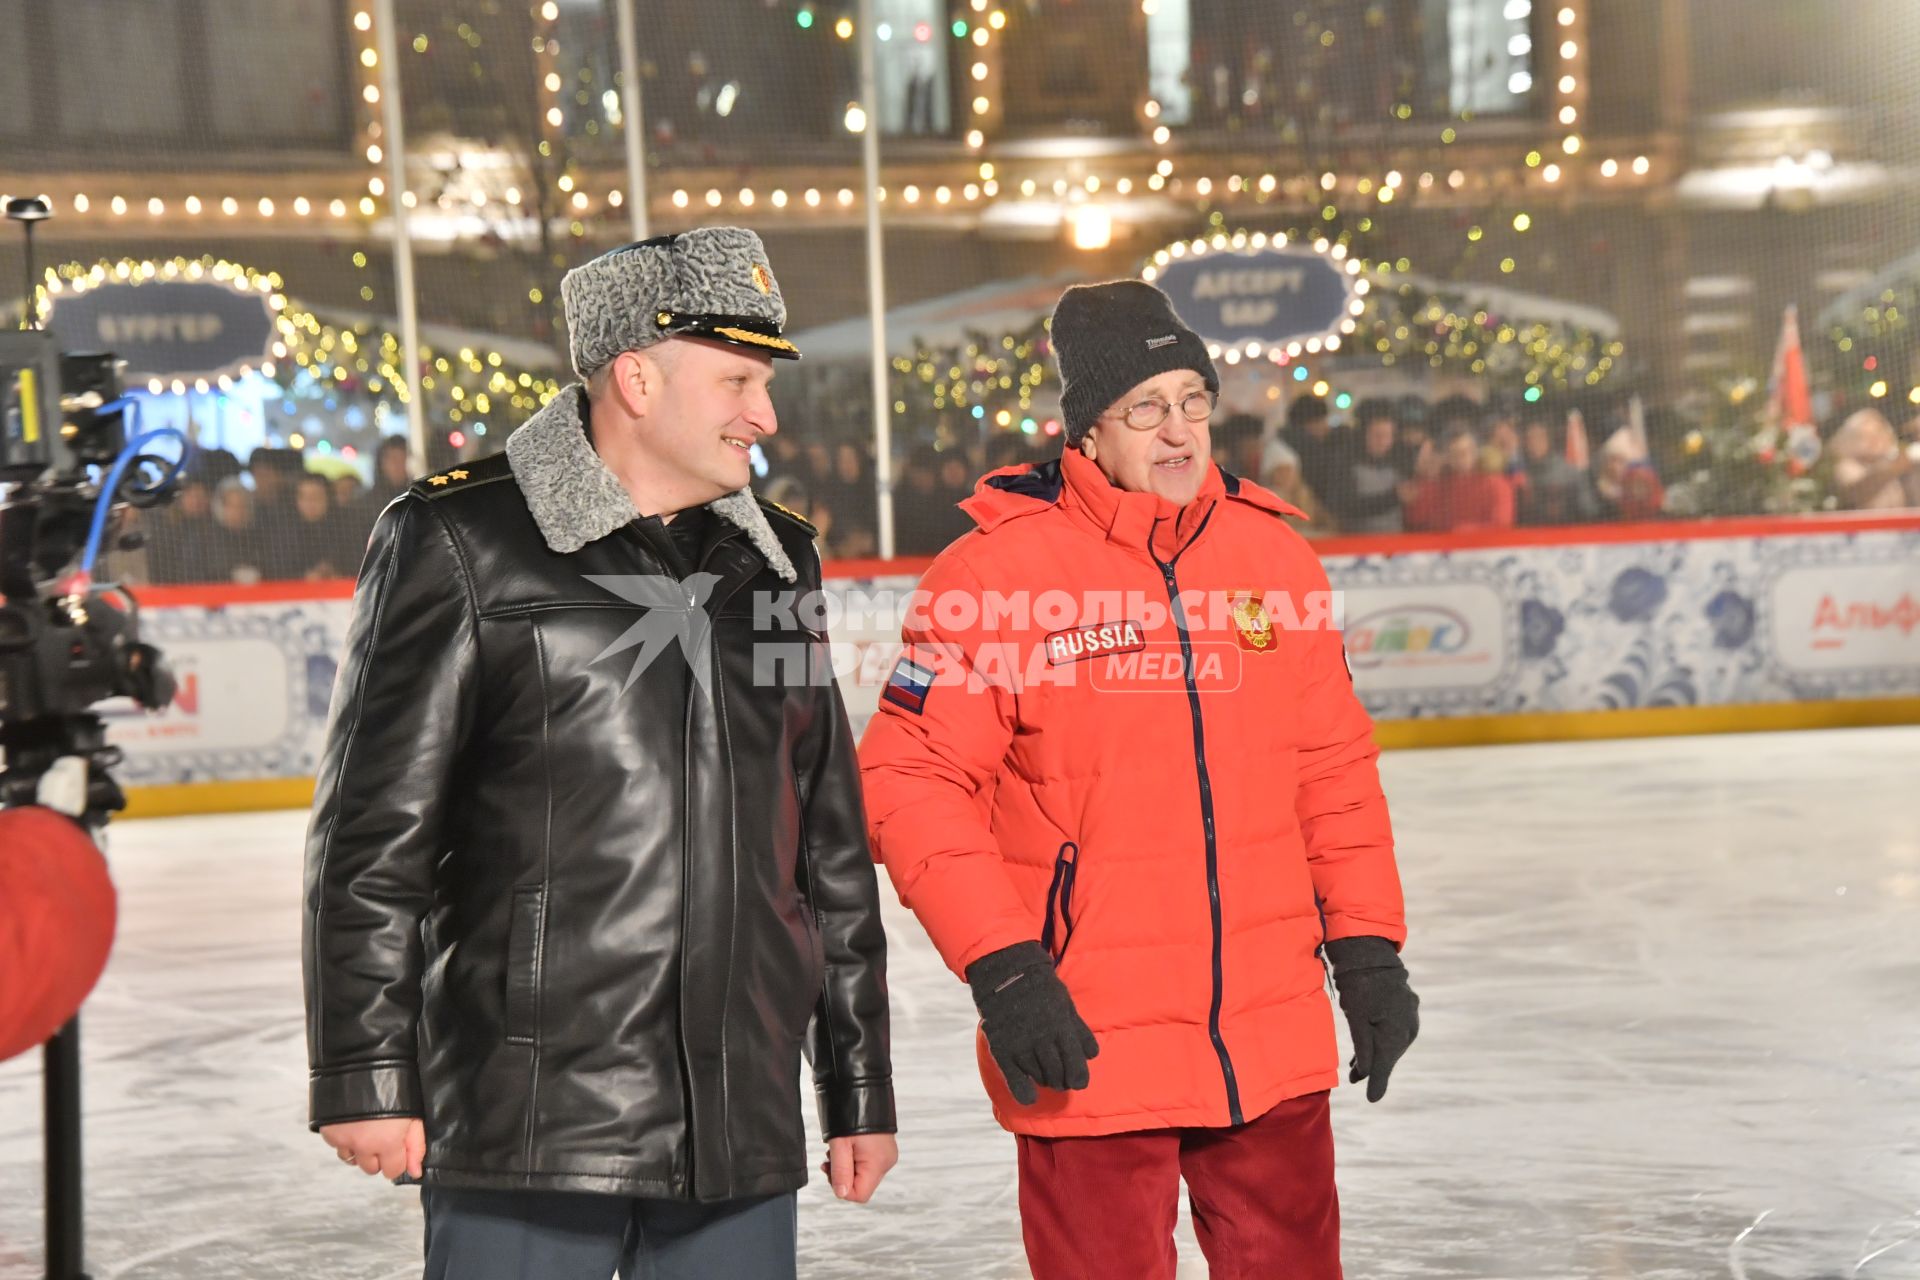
(1668, 328)
(29, 317)
(66, 1239)
(631, 120)
(383, 22)
(876, 283)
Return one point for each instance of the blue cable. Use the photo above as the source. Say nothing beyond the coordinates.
(103, 505)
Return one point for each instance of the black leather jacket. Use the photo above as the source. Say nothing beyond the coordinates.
(575, 907)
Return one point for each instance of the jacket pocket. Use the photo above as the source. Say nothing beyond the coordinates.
(525, 934)
(1059, 923)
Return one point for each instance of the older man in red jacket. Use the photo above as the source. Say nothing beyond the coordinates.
(1121, 776)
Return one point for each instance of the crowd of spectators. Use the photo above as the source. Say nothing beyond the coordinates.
(1389, 466)
(1404, 467)
(268, 520)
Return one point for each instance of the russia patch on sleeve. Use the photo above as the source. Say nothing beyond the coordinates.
(907, 687)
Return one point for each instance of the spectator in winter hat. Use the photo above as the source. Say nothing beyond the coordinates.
(1628, 486)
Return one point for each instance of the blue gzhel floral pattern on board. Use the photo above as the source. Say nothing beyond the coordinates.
(1629, 625)
(1513, 630)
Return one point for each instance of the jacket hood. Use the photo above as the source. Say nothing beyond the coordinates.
(1012, 492)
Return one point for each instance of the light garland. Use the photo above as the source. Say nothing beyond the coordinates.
(1876, 350)
(473, 384)
(979, 25)
(1211, 188)
(78, 278)
(546, 69)
(277, 207)
(371, 108)
(980, 70)
(1334, 253)
(1570, 28)
(983, 380)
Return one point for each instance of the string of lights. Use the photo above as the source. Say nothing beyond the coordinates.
(469, 388)
(1554, 163)
(1876, 349)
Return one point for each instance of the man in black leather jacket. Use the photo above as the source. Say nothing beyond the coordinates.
(588, 864)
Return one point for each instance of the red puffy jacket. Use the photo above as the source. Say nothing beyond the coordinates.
(1455, 500)
(1182, 804)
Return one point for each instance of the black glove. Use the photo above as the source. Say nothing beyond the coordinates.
(1033, 1031)
(1382, 1011)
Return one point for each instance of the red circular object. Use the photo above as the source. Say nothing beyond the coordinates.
(57, 913)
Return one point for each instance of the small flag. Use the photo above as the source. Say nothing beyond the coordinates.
(908, 685)
(1789, 403)
(1578, 453)
(1637, 428)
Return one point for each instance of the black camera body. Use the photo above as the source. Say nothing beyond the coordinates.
(65, 644)
(59, 657)
(54, 413)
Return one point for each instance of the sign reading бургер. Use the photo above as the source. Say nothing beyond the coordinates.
(167, 329)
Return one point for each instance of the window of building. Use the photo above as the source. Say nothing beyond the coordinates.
(1489, 54)
(1298, 66)
(1169, 58)
(143, 81)
(911, 67)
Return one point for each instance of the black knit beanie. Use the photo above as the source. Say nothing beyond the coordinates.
(1109, 338)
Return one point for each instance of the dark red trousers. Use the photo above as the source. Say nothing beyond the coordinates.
(1264, 1205)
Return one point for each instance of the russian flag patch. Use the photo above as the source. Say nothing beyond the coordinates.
(908, 685)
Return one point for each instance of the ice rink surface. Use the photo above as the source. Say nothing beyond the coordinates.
(1671, 1028)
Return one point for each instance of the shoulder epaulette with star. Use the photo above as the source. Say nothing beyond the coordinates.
(773, 508)
(468, 474)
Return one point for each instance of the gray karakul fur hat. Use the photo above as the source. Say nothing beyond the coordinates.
(711, 282)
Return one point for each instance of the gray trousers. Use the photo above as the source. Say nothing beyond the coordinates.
(560, 1235)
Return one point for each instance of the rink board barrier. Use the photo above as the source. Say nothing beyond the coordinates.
(1580, 633)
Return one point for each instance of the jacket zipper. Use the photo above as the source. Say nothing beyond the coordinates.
(1206, 818)
(715, 603)
(1320, 952)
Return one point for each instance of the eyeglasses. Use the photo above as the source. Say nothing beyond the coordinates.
(1148, 414)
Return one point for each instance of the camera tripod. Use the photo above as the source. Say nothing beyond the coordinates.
(32, 748)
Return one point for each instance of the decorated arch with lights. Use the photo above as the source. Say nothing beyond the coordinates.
(1382, 313)
(319, 363)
